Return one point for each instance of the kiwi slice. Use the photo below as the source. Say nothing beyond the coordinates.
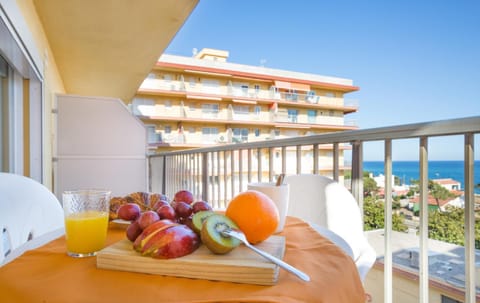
(198, 219)
(212, 237)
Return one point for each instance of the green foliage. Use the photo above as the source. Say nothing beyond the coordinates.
(439, 192)
(374, 216)
(448, 226)
(369, 186)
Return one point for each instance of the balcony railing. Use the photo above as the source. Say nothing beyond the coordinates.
(180, 87)
(218, 173)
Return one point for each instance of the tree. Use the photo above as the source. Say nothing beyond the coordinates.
(439, 192)
(369, 185)
(448, 226)
(374, 216)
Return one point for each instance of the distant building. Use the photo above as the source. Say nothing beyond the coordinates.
(449, 183)
(189, 102)
(397, 190)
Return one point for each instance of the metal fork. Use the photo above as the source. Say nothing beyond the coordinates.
(240, 236)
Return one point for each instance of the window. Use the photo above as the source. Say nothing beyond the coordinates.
(241, 111)
(446, 299)
(209, 134)
(143, 107)
(240, 89)
(209, 110)
(168, 129)
(312, 116)
(257, 132)
(211, 86)
(22, 108)
(257, 110)
(257, 90)
(245, 90)
(240, 135)
(152, 135)
(4, 142)
(192, 82)
(293, 115)
(310, 97)
(291, 95)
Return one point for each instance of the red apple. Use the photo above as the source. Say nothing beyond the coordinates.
(133, 231)
(172, 242)
(159, 204)
(200, 206)
(150, 231)
(128, 211)
(183, 195)
(183, 209)
(147, 218)
(166, 212)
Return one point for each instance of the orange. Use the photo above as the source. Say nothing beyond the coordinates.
(255, 214)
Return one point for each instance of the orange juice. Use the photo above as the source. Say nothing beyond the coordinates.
(86, 232)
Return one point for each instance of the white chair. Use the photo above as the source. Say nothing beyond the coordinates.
(333, 211)
(30, 216)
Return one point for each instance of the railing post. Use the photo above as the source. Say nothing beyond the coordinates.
(336, 161)
(270, 164)
(469, 220)
(423, 226)
(299, 159)
(205, 165)
(388, 260)
(357, 173)
(164, 174)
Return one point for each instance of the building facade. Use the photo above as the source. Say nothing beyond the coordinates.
(189, 102)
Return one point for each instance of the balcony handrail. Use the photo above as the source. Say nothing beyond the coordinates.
(408, 131)
(197, 168)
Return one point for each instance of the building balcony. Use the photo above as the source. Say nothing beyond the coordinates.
(179, 88)
(280, 118)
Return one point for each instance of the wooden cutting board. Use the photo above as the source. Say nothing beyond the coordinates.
(241, 265)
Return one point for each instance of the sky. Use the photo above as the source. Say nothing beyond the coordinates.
(414, 61)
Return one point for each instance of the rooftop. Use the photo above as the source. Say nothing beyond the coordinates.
(446, 260)
(226, 68)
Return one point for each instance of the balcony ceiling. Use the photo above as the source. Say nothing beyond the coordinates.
(106, 48)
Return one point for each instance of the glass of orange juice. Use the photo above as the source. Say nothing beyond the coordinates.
(86, 221)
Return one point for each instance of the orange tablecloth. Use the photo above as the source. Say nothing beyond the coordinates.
(47, 274)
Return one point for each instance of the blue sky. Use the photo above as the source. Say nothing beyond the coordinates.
(414, 61)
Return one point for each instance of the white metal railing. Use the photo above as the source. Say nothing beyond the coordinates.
(220, 172)
(271, 94)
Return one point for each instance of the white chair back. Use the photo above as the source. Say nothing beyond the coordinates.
(30, 215)
(324, 202)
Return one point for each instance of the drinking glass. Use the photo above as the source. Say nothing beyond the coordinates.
(86, 221)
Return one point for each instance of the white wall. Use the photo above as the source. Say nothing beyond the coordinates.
(100, 144)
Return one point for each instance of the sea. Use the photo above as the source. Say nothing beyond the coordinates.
(410, 170)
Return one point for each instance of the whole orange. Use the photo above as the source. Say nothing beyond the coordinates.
(255, 214)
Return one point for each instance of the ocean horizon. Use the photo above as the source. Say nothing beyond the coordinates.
(408, 171)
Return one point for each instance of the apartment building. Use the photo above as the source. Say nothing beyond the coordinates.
(203, 100)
